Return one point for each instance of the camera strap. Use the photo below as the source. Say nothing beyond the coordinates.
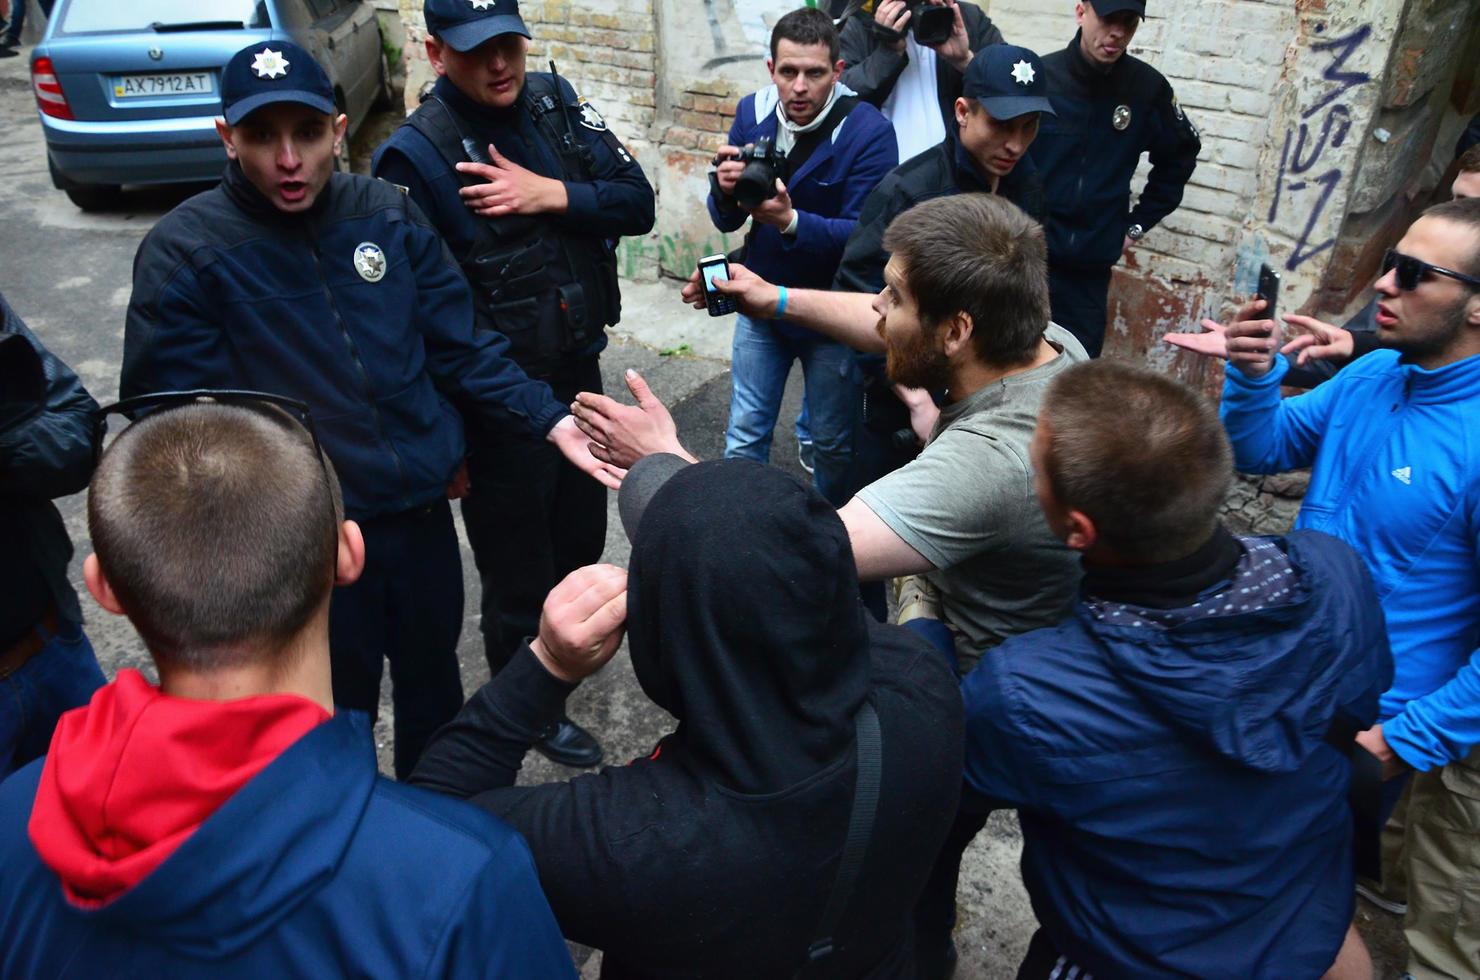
(869, 760)
(807, 143)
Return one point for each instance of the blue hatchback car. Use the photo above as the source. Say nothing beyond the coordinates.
(128, 92)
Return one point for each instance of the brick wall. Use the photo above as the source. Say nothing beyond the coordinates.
(1325, 124)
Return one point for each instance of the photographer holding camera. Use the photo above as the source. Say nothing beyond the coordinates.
(803, 155)
(909, 58)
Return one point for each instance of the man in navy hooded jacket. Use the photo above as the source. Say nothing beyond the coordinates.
(1177, 750)
(838, 148)
(226, 823)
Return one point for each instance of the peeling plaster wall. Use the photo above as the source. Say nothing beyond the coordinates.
(1325, 125)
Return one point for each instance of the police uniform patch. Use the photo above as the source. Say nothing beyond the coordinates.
(1023, 73)
(269, 64)
(1121, 118)
(590, 118)
(482, 4)
(370, 262)
(1182, 118)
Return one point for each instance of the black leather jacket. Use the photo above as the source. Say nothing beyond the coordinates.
(48, 447)
(873, 68)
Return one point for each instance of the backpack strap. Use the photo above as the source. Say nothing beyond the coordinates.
(870, 762)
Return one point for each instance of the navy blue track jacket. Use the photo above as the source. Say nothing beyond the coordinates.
(231, 293)
(317, 867)
(1182, 813)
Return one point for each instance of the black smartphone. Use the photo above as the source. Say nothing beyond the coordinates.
(1269, 291)
(713, 267)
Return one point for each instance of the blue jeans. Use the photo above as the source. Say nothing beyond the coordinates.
(760, 361)
(62, 676)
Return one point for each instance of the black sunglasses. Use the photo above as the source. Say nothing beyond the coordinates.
(1412, 271)
(259, 400)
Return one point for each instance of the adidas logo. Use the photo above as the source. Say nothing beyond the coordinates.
(1405, 474)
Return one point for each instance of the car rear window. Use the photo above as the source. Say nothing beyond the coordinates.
(111, 16)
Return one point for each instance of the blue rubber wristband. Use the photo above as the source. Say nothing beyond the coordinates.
(781, 303)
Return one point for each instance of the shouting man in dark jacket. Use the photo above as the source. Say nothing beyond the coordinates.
(723, 853)
(331, 288)
(48, 443)
(1109, 108)
(1177, 750)
(226, 824)
(914, 83)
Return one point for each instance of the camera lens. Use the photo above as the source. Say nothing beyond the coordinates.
(932, 24)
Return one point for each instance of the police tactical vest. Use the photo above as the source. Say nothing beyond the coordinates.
(549, 291)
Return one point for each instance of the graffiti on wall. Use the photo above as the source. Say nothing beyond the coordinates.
(1307, 176)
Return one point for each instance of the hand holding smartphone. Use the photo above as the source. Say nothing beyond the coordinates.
(712, 267)
(1269, 291)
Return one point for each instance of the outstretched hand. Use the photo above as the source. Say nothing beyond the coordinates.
(753, 295)
(1209, 343)
(1248, 342)
(1321, 341)
(510, 189)
(582, 622)
(623, 434)
(574, 447)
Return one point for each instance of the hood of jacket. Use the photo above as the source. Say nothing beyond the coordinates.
(188, 819)
(1258, 688)
(744, 622)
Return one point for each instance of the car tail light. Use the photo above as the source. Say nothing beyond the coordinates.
(49, 97)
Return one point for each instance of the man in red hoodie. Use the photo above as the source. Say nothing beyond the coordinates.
(226, 822)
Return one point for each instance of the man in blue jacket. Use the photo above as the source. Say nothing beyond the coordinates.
(227, 823)
(1176, 749)
(1395, 472)
(48, 444)
(1110, 108)
(837, 149)
(331, 288)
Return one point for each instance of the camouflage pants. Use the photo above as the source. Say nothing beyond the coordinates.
(1440, 859)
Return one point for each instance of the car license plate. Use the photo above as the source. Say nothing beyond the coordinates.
(170, 83)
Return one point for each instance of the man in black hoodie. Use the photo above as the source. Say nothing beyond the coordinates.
(719, 855)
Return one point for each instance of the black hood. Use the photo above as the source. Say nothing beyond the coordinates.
(744, 623)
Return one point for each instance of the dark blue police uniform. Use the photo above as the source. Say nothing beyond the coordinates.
(1087, 154)
(356, 308)
(548, 281)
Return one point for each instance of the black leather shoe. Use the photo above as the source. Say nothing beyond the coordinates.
(569, 744)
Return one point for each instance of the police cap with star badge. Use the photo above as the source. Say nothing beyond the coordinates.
(464, 24)
(1008, 81)
(273, 71)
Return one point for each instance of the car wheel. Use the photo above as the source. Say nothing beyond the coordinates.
(384, 93)
(93, 197)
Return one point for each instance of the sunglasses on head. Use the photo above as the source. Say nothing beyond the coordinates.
(1413, 271)
(260, 401)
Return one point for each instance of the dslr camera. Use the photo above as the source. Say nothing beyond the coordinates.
(764, 163)
(930, 24)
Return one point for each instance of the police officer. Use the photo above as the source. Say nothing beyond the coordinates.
(1109, 109)
(531, 190)
(332, 289)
